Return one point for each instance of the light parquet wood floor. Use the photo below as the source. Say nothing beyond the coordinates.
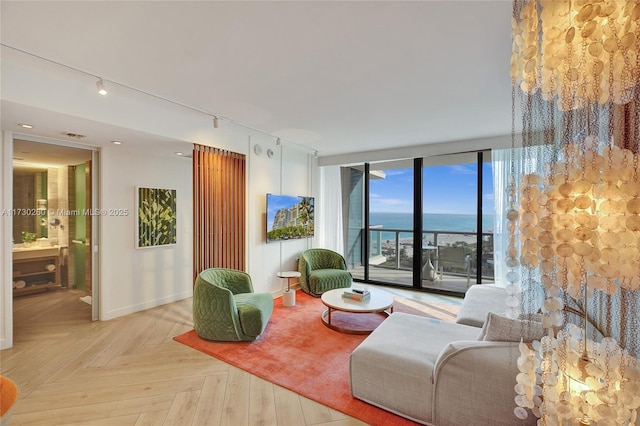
(129, 371)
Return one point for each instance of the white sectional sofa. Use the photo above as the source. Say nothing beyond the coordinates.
(439, 373)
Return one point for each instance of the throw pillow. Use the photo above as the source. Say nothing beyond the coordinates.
(498, 328)
(531, 317)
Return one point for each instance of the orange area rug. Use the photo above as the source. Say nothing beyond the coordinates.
(298, 352)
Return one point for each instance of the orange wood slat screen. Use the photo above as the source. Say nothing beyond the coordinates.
(218, 209)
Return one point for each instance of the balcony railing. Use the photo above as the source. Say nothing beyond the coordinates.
(393, 249)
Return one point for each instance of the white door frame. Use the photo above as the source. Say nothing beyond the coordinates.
(95, 237)
(6, 248)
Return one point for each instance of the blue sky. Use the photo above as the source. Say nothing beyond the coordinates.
(447, 189)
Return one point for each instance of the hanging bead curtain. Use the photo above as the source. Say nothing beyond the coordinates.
(575, 218)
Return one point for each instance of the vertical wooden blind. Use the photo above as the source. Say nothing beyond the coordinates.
(218, 209)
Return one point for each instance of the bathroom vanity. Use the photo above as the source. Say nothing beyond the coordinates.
(35, 269)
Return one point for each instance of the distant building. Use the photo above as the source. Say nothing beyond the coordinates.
(287, 217)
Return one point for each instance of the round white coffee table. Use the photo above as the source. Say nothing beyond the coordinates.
(378, 302)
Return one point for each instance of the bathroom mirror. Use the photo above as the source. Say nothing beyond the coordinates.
(29, 203)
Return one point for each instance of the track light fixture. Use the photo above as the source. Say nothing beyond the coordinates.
(102, 90)
(315, 154)
(100, 85)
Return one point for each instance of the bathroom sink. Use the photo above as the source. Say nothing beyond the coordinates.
(20, 252)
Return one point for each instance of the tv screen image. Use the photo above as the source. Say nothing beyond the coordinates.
(289, 217)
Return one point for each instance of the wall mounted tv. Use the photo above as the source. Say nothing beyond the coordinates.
(289, 217)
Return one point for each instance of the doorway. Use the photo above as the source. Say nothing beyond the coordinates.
(53, 228)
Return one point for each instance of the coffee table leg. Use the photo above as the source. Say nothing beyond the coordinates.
(329, 315)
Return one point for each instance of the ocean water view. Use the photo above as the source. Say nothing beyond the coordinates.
(431, 221)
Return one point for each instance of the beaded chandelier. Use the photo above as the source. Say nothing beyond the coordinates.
(574, 214)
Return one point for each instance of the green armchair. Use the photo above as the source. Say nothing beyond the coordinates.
(225, 308)
(322, 270)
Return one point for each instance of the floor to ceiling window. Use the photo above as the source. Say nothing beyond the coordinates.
(391, 222)
(422, 223)
(457, 221)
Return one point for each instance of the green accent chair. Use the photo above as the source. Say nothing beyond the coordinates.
(322, 270)
(225, 308)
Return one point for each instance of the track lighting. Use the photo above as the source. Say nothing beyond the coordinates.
(100, 85)
(315, 154)
(102, 90)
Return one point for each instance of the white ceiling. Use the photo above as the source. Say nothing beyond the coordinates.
(336, 76)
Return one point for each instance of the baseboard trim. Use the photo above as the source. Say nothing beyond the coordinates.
(106, 316)
(4, 344)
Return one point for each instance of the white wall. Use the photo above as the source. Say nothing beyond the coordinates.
(287, 172)
(133, 279)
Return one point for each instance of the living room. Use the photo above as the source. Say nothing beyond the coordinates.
(153, 128)
(298, 89)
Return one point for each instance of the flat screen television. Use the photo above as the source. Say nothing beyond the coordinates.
(289, 217)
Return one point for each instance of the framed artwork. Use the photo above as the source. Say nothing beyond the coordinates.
(157, 214)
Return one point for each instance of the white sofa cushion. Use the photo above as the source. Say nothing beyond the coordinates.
(474, 385)
(478, 301)
(393, 367)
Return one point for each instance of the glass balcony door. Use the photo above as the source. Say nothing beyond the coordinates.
(417, 223)
(457, 240)
(391, 205)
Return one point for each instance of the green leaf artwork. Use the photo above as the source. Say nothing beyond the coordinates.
(156, 217)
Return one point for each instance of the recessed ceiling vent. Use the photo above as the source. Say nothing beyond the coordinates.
(74, 135)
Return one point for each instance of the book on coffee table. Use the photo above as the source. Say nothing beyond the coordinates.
(358, 295)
